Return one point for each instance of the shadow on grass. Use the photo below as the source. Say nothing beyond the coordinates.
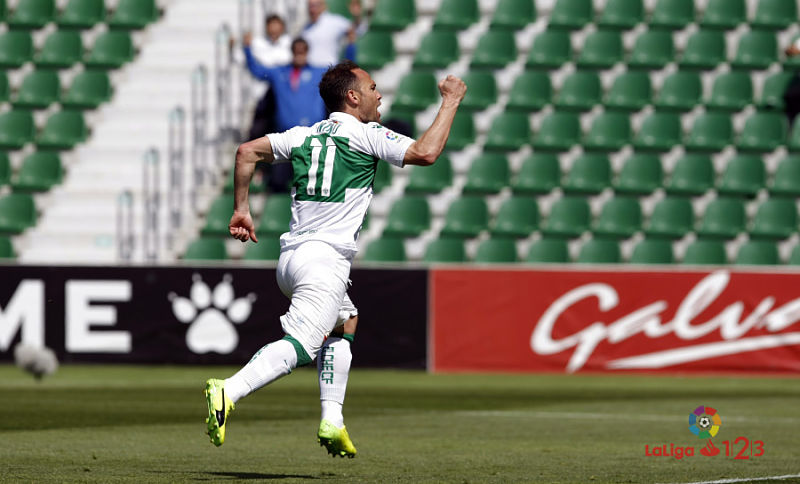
(246, 476)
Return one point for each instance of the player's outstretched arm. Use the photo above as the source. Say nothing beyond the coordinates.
(429, 146)
(241, 225)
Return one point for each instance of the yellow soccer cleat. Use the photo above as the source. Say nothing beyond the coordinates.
(335, 439)
(219, 406)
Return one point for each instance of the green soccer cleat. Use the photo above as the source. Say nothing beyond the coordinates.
(218, 409)
(335, 439)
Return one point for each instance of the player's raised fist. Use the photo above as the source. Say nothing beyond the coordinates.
(453, 88)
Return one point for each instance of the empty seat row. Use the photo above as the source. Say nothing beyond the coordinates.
(41, 88)
(64, 48)
(39, 171)
(79, 14)
(63, 130)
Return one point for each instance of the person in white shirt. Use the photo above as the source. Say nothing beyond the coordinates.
(328, 33)
(334, 162)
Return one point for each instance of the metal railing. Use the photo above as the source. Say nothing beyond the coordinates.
(151, 196)
(126, 238)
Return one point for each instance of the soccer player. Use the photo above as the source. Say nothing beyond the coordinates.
(334, 165)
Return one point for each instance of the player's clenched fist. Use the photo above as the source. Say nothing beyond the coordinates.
(242, 227)
(452, 88)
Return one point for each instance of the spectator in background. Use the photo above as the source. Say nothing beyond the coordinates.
(791, 96)
(297, 99)
(327, 33)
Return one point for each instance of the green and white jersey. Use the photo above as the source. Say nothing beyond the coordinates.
(334, 164)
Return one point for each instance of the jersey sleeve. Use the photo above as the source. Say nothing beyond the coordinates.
(387, 144)
(282, 143)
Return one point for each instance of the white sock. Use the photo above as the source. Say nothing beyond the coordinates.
(333, 368)
(267, 365)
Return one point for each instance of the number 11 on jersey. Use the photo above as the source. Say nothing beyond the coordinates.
(327, 166)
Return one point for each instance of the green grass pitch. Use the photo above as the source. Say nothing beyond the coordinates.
(144, 424)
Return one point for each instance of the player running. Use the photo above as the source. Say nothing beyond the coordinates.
(334, 164)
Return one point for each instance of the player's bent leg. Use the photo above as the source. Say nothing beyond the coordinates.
(219, 407)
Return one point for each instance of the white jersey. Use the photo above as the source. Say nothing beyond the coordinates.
(334, 164)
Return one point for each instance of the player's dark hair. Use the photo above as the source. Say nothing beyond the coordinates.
(272, 17)
(336, 82)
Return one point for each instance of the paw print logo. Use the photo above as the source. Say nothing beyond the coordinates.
(212, 315)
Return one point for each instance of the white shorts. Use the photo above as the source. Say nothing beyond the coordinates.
(315, 276)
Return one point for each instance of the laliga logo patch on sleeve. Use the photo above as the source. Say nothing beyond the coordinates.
(392, 136)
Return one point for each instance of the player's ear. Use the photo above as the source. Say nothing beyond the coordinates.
(353, 96)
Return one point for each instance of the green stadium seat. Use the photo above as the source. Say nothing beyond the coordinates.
(62, 49)
(641, 174)
(692, 175)
(32, 14)
(446, 249)
(408, 217)
(275, 216)
(794, 257)
(268, 248)
(705, 49)
(513, 14)
(17, 213)
(488, 174)
(631, 91)
(456, 14)
(610, 131)
(672, 218)
(63, 130)
(757, 49)
(710, 132)
(133, 14)
(724, 218)
(660, 131)
(773, 89)
(496, 251)
(705, 252)
(776, 218)
(571, 14)
(495, 49)
(652, 251)
(731, 91)
(774, 14)
(16, 48)
(758, 252)
(39, 90)
(599, 251)
(672, 14)
(540, 173)
(793, 143)
(16, 129)
(394, 15)
(550, 50)
(416, 91)
(653, 49)
(581, 91)
(4, 87)
(559, 131)
(569, 217)
(375, 49)
(88, 90)
(548, 250)
(681, 91)
(383, 177)
(601, 50)
(6, 249)
(39, 172)
(81, 14)
(466, 217)
(724, 14)
(340, 7)
(621, 14)
(590, 174)
(218, 217)
(763, 131)
(531, 91)
(620, 218)
(111, 50)
(206, 248)
(517, 217)
(462, 132)
(438, 49)
(431, 179)
(481, 92)
(509, 131)
(385, 249)
(786, 179)
(744, 175)
(5, 168)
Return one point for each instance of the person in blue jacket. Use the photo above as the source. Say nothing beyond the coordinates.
(297, 99)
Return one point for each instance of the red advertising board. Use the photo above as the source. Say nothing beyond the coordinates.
(570, 321)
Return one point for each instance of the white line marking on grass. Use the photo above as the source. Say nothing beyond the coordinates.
(748, 479)
(598, 415)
